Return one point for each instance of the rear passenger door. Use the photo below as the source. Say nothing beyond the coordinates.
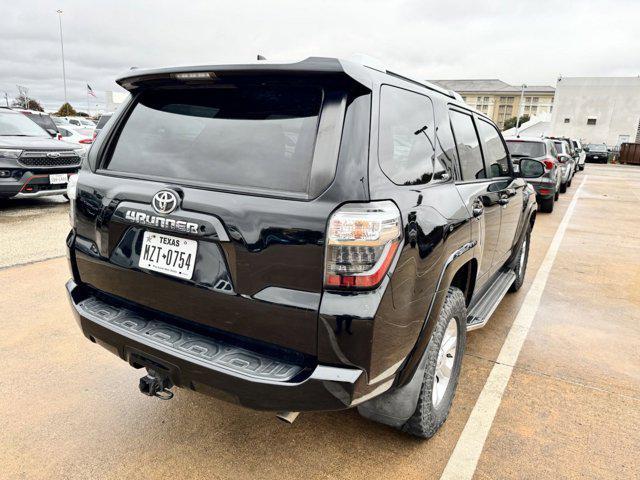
(477, 191)
(509, 189)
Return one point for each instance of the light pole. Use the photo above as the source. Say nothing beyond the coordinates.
(520, 109)
(64, 73)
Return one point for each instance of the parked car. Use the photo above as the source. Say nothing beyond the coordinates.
(80, 122)
(73, 136)
(32, 164)
(597, 153)
(60, 121)
(582, 155)
(567, 163)
(43, 120)
(320, 236)
(101, 123)
(547, 186)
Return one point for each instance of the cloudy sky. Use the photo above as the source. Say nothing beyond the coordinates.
(516, 41)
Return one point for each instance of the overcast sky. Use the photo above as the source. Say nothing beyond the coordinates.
(516, 41)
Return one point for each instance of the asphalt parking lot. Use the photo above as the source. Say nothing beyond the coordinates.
(570, 409)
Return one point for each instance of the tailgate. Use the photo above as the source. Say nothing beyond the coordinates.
(256, 171)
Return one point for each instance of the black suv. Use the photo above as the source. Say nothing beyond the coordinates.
(309, 236)
(32, 164)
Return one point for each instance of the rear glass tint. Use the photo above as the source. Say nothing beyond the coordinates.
(519, 148)
(255, 137)
(103, 119)
(43, 120)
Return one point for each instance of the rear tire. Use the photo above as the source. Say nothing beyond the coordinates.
(556, 195)
(563, 188)
(546, 205)
(520, 268)
(443, 357)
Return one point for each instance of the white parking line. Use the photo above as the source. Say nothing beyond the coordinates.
(464, 459)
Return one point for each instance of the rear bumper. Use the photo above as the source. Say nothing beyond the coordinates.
(544, 189)
(213, 366)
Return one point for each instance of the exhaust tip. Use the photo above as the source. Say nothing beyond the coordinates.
(287, 417)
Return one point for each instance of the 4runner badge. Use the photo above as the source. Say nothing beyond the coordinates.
(165, 201)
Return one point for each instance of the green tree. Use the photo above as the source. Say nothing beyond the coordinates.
(511, 122)
(66, 110)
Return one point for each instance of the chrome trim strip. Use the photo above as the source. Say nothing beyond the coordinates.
(41, 193)
(289, 297)
(336, 374)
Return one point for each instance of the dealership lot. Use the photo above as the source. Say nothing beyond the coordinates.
(569, 410)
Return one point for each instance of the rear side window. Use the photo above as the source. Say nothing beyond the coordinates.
(468, 146)
(103, 120)
(251, 136)
(520, 148)
(407, 136)
(495, 154)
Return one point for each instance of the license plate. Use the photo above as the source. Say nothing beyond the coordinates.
(595, 156)
(169, 255)
(58, 178)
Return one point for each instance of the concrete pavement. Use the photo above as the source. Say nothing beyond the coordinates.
(571, 408)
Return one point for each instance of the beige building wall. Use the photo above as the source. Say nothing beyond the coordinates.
(501, 106)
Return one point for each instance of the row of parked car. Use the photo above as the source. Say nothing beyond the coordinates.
(38, 151)
(562, 158)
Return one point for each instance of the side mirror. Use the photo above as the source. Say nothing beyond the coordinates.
(52, 132)
(530, 168)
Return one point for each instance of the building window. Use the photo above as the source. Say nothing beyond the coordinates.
(567, 120)
(486, 99)
(535, 100)
(534, 110)
(526, 109)
(464, 99)
(527, 99)
(591, 121)
(479, 100)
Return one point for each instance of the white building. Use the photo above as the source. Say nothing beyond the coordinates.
(114, 99)
(597, 109)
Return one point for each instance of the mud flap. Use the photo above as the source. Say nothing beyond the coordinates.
(395, 406)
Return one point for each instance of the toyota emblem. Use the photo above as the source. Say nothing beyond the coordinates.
(165, 201)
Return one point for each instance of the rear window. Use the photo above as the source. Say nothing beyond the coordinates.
(43, 120)
(559, 146)
(520, 148)
(256, 137)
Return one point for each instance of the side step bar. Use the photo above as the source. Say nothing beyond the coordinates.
(480, 313)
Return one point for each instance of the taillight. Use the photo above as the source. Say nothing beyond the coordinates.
(362, 240)
(548, 164)
(86, 141)
(59, 136)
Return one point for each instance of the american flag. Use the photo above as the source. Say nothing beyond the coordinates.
(90, 91)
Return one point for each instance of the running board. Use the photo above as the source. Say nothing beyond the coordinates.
(479, 315)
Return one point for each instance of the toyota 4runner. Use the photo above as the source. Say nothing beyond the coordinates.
(310, 236)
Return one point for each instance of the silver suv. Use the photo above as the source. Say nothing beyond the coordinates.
(548, 185)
